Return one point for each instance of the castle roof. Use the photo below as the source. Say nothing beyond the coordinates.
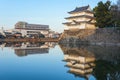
(86, 16)
(77, 74)
(79, 9)
(77, 23)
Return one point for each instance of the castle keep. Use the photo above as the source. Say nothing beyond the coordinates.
(80, 18)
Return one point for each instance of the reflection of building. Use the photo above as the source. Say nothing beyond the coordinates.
(2, 45)
(32, 29)
(52, 44)
(81, 18)
(28, 48)
(80, 61)
(53, 34)
(23, 49)
(23, 52)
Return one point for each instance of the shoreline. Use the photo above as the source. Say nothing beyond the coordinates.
(93, 43)
(57, 40)
(30, 40)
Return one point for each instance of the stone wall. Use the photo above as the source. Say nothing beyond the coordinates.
(92, 36)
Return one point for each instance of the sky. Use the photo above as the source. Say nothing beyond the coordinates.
(48, 12)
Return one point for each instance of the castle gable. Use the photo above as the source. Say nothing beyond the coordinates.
(80, 9)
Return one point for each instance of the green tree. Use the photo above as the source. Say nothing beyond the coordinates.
(103, 14)
(118, 12)
(115, 10)
(118, 4)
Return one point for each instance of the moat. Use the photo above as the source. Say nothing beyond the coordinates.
(50, 61)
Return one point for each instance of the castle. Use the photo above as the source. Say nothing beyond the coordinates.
(81, 18)
(80, 24)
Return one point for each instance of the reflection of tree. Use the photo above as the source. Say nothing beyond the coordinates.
(104, 60)
(105, 70)
(106, 53)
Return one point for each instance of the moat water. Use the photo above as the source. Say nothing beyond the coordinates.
(50, 61)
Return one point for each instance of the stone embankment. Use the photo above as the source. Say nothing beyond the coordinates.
(102, 36)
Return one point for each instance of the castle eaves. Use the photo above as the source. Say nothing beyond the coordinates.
(79, 9)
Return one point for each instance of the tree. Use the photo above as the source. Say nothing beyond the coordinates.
(118, 3)
(114, 12)
(103, 14)
(118, 16)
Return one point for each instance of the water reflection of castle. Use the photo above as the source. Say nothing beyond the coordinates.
(23, 49)
(102, 62)
(80, 61)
